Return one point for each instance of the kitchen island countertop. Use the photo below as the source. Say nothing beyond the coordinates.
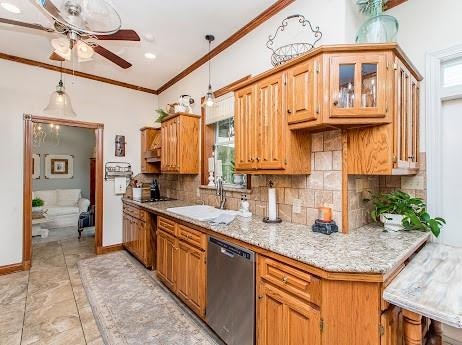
(364, 250)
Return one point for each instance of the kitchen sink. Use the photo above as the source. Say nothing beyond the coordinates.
(201, 213)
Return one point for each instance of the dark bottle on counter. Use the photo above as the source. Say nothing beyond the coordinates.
(155, 191)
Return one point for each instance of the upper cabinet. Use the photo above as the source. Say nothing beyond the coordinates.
(180, 144)
(352, 87)
(357, 88)
(150, 150)
(264, 142)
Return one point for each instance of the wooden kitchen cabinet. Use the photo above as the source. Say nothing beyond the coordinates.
(391, 328)
(180, 144)
(181, 262)
(303, 93)
(285, 320)
(191, 276)
(287, 304)
(391, 149)
(264, 144)
(137, 234)
(357, 89)
(167, 259)
(150, 158)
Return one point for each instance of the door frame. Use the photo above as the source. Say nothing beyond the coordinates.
(435, 95)
(29, 121)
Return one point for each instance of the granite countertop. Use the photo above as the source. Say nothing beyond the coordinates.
(365, 250)
(431, 285)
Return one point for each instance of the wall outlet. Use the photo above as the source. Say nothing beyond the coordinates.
(297, 206)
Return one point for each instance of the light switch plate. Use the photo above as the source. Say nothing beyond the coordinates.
(297, 206)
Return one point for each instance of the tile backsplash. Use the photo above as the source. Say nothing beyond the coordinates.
(299, 196)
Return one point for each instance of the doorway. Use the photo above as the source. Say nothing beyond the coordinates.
(29, 123)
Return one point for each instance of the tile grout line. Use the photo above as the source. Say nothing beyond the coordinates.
(25, 306)
(73, 293)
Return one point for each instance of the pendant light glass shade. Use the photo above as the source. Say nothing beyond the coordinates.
(209, 98)
(60, 103)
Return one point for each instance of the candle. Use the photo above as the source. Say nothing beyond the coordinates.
(325, 214)
(211, 164)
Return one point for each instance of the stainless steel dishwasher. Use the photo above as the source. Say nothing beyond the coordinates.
(231, 292)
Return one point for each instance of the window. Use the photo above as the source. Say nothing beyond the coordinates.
(218, 139)
(224, 152)
(452, 73)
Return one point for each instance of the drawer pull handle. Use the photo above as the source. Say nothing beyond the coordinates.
(284, 280)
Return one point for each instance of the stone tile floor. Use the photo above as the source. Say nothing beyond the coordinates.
(48, 305)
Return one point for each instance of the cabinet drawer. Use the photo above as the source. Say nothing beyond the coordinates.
(293, 280)
(191, 236)
(166, 225)
(135, 212)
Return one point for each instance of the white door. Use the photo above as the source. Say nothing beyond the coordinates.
(451, 179)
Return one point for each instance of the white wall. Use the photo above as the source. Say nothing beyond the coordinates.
(26, 89)
(75, 141)
(250, 55)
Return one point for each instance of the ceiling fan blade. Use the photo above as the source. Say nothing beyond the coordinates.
(26, 25)
(112, 57)
(56, 57)
(121, 35)
(51, 9)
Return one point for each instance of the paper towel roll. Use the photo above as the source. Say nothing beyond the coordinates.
(272, 214)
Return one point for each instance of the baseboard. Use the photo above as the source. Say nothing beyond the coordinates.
(111, 248)
(11, 268)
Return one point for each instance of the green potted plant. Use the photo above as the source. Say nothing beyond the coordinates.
(399, 211)
(37, 205)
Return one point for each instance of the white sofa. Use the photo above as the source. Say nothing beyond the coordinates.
(64, 205)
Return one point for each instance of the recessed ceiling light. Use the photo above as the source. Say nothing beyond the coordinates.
(10, 7)
(150, 56)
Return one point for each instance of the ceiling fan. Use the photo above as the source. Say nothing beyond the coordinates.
(82, 23)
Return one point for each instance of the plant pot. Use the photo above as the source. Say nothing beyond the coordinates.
(392, 222)
(38, 209)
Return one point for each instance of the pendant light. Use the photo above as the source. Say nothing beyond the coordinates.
(209, 98)
(60, 102)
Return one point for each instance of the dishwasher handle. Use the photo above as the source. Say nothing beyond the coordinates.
(226, 252)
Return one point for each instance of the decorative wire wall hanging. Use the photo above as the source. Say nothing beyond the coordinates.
(117, 169)
(292, 50)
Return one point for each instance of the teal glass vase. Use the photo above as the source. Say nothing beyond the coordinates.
(381, 28)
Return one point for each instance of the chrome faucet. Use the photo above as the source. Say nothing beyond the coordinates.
(220, 193)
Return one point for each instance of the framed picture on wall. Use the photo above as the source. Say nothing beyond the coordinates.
(59, 166)
(35, 166)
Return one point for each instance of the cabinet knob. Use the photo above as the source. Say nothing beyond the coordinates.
(289, 111)
(251, 159)
(335, 103)
(258, 159)
(260, 297)
(284, 280)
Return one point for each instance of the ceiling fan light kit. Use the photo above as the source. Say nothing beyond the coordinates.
(209, 99)
(82, 23)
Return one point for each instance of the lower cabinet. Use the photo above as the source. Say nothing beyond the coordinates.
(181, 262)
(285, 320)
(284, 314)
(392, 326)
(191, 277)
(137, 234)
(167, 255)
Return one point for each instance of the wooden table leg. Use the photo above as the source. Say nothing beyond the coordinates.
(435, 333)
(412, 328)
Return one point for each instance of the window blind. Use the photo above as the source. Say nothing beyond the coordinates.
(222, 109)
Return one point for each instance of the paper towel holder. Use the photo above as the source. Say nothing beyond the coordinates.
(266, 219)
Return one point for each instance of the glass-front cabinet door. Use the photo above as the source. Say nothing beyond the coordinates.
(358, 87)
